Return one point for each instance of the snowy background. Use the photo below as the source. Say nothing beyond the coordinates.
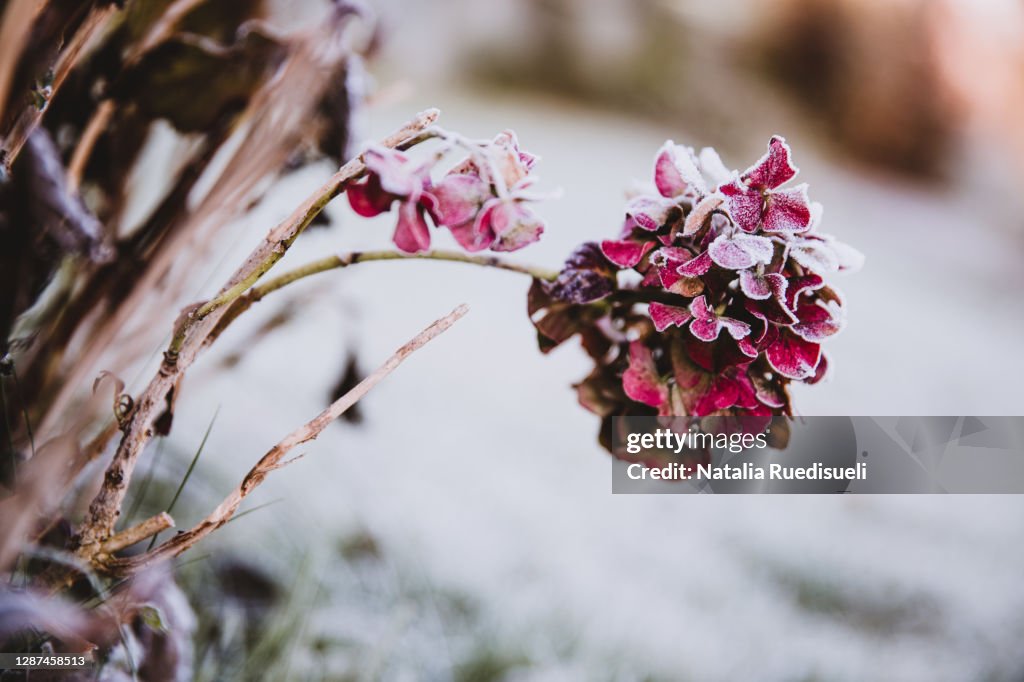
(475, 484)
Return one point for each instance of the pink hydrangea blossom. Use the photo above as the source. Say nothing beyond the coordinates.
(710, 251)
(755, 200)
(393, 178)
(483, 200)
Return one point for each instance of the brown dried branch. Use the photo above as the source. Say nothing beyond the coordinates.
(271, 127)
(193, 327)
(83, 150)
(163, 27)
(274, 459)
(15, 29)
(138, 533)
(30, 117)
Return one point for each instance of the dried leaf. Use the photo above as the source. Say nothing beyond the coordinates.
(223, 77)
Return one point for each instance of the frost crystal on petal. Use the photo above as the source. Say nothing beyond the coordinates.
(676, 171)
(774, 168)
(740, 251)
(651, 213)
(714, 170)
(625, 253)
(762, 286)
(787, 211)
(665, 316)
(793, 357)
(814, 254)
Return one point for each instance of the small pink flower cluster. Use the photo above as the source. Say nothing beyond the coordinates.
(482, 200)
(725, 302)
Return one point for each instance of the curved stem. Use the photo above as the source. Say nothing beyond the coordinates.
(256, 293)
(342, 261)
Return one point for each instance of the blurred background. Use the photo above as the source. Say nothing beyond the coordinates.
(463, 527)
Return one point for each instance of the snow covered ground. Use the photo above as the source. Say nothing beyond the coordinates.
(479, 475)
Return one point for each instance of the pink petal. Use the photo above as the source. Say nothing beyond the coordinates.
(801, 285)
(653, 278)
(667, 275)
(747, 347)
(667, 177)
(774, 168)
(641, 381)
(394, 171)
(740, 251)
(706, 330)
(700, 214)
(730, 388)
(723, 393)
(699, 309)
(625, 253)
(470, 239)
(665, 316)
(736, 328)
(762, 286)
(695, 267)
(675, 171)
(511, 163)
(793, 357)
(515, 226)
(744, 205)
(484, 223)
(816, 323)
(821, 372)
(747, 396)
(770, 309)
(674, 253)
(368, 199)
(788, 211)
(814, 254)
(650, 213)
(459, 198)
(665, 261)
(412, 234)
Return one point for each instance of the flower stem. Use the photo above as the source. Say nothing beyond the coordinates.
(345, 260)
(256, 293)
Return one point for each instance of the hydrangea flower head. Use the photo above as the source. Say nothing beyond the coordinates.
(725, 302)
(483, 200)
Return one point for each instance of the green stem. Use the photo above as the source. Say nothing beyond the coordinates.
(256, 293)
(345, 260)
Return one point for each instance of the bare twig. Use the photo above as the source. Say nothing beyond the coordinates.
(195, 325)
(137, 533)
(163, 27)
(83, 150)
(274, 459)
